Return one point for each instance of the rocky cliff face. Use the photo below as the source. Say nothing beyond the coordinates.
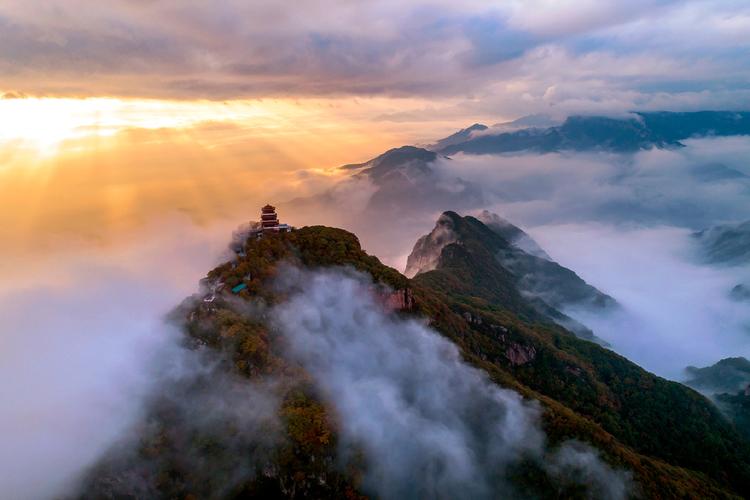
(399, 300)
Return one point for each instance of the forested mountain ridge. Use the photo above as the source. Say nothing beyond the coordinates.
(525, 266)
(674, 441)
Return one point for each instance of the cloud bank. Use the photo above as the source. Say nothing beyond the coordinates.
(675, 312)
(429, 425)
(622, 222)
(81, 337)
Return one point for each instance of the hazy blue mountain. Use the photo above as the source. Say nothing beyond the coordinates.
(727, 244)
(716, 172)
(537, 140)
(404, 180)
(679, 126)
(628, 134)
(727, 376)
(528, 121)
(462, 135)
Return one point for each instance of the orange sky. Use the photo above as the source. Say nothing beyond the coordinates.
(88, 169)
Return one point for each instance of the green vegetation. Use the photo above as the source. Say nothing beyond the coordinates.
(673, 440)
(651, 416)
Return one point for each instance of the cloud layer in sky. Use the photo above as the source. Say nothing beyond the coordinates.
(514, 56)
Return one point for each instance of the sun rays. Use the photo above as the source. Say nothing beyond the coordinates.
(89, 169)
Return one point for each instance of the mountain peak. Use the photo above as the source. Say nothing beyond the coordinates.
(458, 137)
(509, 263)
(248, 349)
(403, 158)
(426, 253)
(515, 235)
(394, 157)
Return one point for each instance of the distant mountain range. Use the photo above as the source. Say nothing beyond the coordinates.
(584, 133)
(406, 178)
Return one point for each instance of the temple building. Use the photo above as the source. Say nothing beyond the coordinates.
(269, 221)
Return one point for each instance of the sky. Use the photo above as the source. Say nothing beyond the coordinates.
(117, 112)
(565, 53)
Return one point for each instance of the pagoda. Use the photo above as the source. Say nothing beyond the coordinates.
(269, 221)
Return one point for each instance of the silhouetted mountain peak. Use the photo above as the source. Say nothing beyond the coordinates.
(462, 135)
(404, 156)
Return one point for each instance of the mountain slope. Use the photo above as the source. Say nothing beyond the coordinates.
(405, 156)
(671, 438)
(624, 399)
(523, 271)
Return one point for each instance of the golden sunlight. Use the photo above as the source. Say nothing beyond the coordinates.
(92, 168)
(45, 123)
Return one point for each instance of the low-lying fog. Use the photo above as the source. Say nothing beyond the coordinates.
(80, 335)
(81, 327)
(623, 223)
(675, 312)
